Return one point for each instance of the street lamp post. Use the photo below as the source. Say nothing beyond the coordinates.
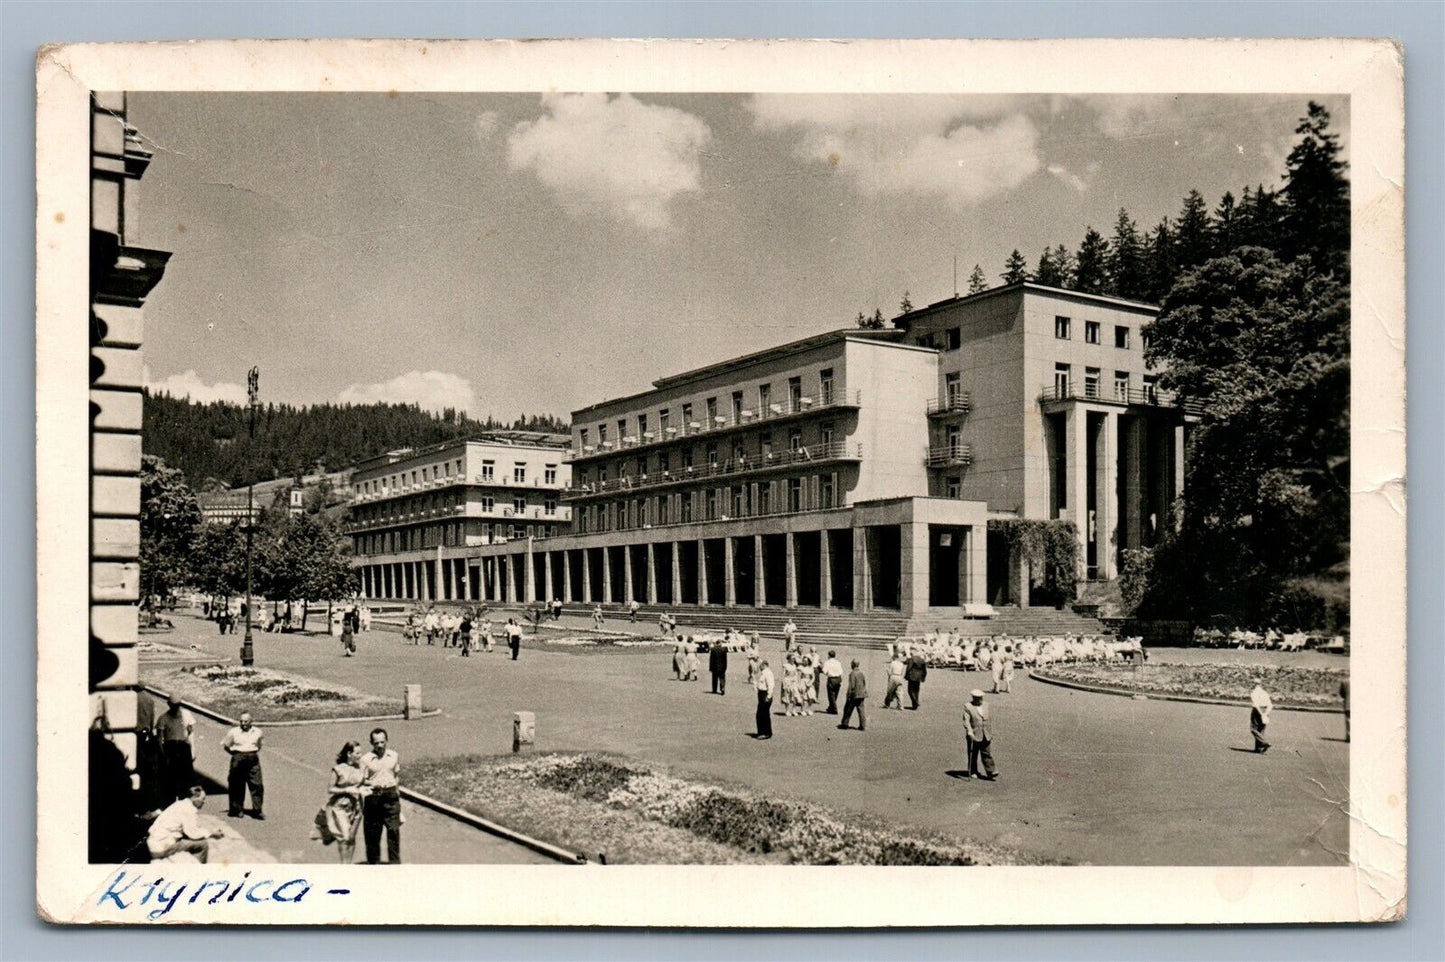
(253, 391)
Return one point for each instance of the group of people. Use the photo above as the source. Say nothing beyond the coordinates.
(1271, 639)
(952, 649)
(470, 631)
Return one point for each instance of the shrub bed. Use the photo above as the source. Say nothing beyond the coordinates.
(270, 695)
(1287, 685)
(642, 814)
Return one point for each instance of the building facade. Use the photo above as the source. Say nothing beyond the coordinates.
(416, 514)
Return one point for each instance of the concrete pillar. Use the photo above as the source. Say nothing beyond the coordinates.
(567, 577)
(862, 576)
(677, 572)
(529, 576)
(466, 572)
(825, 571)
(1106, 511)
(1076, 483)
(913, 568)
(977, 539)
(730, 588)
(651, 573)
(627, 574)
(1133, 512)
(701, 573)
(1178, 464)
(504, 577)
(548, 592)
(760, 581)
(424, 589)
(1018, 572)
(791, 591)
(586, 577)
(411, 699)
(607, 575)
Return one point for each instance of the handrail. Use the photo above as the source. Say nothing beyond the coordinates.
(1150, 397)
(949, 404)
(833, 451)
(946, 455)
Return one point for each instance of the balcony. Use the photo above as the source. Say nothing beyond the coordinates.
(833, 451)
(1142, 397)
(949, 455)
(956, 403)
(783, 411)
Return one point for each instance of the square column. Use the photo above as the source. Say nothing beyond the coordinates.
(730, 589)
(627, 573)
(607, 575)
(701, 573)
(529, 576)
(424, 591)
(548, 589)
(1076, 482)
(760, 581)
(825, 571)
(504, 577)
(586, 577)
(676, 593)
(1132, 510)
(790, 590)
(862, 576)
(651, 573)
(567, 576)
(1106, 489)
(914, 569)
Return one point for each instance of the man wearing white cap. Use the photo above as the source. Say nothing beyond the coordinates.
(978, 734)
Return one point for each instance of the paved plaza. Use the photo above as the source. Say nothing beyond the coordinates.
(1085, 777)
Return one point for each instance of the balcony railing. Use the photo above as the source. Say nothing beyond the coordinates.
(1148, 396)
(949, 455)
(751, 417)
(957, 403)
(436, 484)
(832, 451)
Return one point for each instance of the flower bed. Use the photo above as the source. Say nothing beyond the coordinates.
(270, 695)
(642, 814)
(1287, 685)
(589, 642)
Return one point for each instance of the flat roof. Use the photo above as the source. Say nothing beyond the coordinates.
(1024, 287)
(536, 440)
(883, 336)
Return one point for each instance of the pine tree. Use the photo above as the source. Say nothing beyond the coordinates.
(1091, 271)
(1191, 233)
(1065, 264)
(1016, 269)
(1047, 273)
(977, 283)
(906, 305)
(1126, 259)
(1317, 195)
(1159, 262)
(1224, 226)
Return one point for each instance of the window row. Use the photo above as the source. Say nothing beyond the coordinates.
(451, 469)
(1063, 330)
(453, 535)
(758, 499)
(1093, 383)
(742, 449)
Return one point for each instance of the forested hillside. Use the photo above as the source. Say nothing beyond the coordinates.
(209, 442)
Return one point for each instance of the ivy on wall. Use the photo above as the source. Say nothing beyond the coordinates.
(1051, 549)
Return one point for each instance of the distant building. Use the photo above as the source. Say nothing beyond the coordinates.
(229, 505)
(417, 513)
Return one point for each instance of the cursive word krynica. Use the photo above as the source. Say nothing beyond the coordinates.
(157, 897)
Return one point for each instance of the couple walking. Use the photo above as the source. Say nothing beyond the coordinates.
(365, 791)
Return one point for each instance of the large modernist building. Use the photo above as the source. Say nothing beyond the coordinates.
(418, 515)
(855, 469)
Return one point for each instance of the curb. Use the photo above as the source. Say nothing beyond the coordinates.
(297, 723)
(1152, 696)
(426, 801)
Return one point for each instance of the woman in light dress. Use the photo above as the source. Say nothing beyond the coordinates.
(790, 685)
(752, 661)
(689, 651)
(342, 813)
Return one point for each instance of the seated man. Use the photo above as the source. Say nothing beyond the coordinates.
(178, 829)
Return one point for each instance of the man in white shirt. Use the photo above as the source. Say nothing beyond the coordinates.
(764, 684)
(790, 635)
(243, 744)
(178, 829)
(381, 801)
(833, 671)
(1260, 707)
(896, 669)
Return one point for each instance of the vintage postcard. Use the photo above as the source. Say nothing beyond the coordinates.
(762, 484)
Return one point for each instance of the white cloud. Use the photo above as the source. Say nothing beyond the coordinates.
(1122, 116)
(1068, 177)
(190, 385)
(614, 156)
(487, 126)
(432, 390)
(911, 144)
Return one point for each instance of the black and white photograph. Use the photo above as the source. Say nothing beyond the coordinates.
(565, 484)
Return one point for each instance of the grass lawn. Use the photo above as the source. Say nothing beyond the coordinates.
(270, 696)
(638, 813)
(1287, 685)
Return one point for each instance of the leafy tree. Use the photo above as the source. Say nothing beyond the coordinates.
(1126, 263)
(303, 559)
(1015, 269)
(977, 283)
(1263, 345)
(169, 517)
(1317, 195)
(1091, 272)
(219, 560)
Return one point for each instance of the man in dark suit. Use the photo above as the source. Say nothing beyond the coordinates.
(857, 695)
(717, 664)
(917, 671)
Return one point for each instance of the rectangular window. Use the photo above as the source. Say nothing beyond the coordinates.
(765, 497)
(549, 506)
(1151, 389)
(737, 499)
(583, 436)
(952, 388)
(1061, 380)
(955, 338)
(795, 494)
(660, 511)
(601, 434)
(1091, 382)
(642, 466)
(687, 458)
(711, 504)
(712, 454)
(825, 492)
(795, 394)
(549, 474)
(795, 440)
(765, 445)
(1121, 336)
(621, 430)
(765, 399)
(489, 504)
(1061, 328)
(825, 385)
(1121, 385)
(686, 507)
(519, 503)
(664, 418)
(825, 434)
(664, 462)
(1091, 332)
(517, 532)
(687, 417)
(954, 487)
(519, 472)
(712, 414)
(489, 470)
(740, 453)
(737, 406)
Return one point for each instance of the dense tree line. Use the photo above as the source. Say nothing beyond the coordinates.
(209, 443)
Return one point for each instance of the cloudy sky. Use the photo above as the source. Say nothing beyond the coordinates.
(535, 253)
